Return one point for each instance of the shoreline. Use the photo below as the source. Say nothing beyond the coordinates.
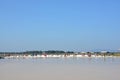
(55, 56)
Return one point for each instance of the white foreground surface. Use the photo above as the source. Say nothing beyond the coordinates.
(60, 69)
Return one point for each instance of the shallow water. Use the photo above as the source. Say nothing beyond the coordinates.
(60, 69)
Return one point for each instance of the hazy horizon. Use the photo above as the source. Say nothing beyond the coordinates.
(69, 25)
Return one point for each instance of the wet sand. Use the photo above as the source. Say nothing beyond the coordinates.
(60, 69)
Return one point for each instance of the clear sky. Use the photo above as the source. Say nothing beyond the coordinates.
(74, 25)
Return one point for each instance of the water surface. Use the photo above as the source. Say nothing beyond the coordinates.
(60, 69)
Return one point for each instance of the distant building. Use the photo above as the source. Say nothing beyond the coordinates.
(104, 51)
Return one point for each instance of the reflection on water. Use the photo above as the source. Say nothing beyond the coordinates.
(60, 69)
(108, 60)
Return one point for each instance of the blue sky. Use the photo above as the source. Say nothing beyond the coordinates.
(74, 25)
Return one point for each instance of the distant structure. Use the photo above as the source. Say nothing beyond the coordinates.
(104, 51)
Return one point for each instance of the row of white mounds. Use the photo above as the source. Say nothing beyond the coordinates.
(55, 56)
